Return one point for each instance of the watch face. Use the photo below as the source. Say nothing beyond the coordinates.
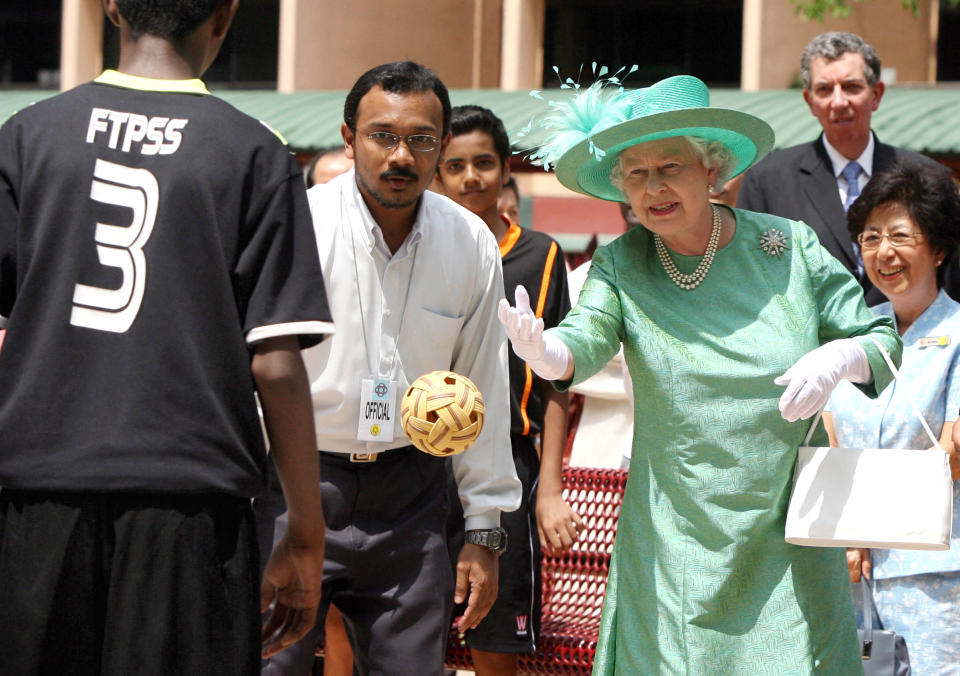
(494, 539)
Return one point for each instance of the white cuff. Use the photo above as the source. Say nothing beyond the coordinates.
(858, 365)
(555, 360)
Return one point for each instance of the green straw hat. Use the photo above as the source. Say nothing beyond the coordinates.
(583, 138)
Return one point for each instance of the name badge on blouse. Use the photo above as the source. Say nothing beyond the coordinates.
(377, 414)
(934, 341)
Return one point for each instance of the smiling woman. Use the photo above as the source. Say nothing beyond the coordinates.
(905, 221)
(713, 307)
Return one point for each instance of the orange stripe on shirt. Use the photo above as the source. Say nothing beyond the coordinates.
(527, 386)
(541, 301)
(545, 282)
(509, 239)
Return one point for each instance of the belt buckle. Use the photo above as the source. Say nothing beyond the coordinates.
(363, 457)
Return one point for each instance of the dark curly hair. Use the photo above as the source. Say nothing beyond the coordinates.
(170, 19)
(928, 193)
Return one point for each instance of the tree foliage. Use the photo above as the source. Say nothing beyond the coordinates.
(817, 10)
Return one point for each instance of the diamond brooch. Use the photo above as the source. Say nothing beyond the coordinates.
(773, 242)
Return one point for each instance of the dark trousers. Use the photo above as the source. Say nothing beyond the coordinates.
(387, 568)
(120, 584)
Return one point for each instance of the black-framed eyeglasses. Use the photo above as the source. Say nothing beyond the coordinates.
(870, 241)
(418, 143)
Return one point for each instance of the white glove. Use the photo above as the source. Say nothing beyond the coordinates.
(548, 356)
(811, 380)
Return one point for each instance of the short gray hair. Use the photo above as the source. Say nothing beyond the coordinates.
(831, 46)
(712, 154)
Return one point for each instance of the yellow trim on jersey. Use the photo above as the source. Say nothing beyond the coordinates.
(118, 79)
(283, 139)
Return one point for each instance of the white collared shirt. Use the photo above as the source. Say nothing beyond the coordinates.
(839, 162)
(430, 306)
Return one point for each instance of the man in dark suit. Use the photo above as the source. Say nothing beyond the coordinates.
(816, 182)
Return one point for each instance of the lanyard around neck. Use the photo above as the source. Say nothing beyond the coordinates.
(356, 271)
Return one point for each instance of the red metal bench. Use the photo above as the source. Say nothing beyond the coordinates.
(573, 583)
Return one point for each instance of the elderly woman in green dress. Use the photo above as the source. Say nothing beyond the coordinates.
(736, 326)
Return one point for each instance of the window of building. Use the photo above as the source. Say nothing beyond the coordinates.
(662, 37)
(30, 44)
(248, 58)
(948, 56)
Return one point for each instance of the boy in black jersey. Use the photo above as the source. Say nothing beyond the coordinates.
(147, 290)
(474, 168)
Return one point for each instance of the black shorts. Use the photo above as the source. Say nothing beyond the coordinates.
(513, 624)
(120, 584)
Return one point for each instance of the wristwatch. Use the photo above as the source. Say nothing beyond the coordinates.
(494, 539)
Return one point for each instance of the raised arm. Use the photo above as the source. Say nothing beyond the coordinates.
(547, 355)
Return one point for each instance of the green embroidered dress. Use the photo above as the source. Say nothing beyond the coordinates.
(701, 580)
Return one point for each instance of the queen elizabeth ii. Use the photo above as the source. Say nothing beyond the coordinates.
(736, 326)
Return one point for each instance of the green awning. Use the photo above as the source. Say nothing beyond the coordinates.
(921, 119)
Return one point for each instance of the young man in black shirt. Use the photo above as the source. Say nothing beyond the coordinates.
(157, 261)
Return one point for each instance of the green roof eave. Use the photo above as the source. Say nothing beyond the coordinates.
(918, 118)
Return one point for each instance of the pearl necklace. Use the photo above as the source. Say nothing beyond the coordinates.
(691, 281)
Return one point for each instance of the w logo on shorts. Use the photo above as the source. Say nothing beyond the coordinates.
(522, 622)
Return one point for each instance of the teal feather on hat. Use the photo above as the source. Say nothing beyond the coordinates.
(566, 123)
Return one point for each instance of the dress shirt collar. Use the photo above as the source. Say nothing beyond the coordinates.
(370, 230)
(839, 161)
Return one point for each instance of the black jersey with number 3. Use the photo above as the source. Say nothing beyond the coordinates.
(150, 235)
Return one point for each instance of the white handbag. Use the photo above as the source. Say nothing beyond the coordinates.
(871, 497)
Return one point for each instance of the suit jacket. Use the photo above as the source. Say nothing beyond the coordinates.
(798, 183)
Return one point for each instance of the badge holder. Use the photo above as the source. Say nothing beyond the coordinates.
(377, 409)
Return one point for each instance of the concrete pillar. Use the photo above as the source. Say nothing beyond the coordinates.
(328, 44)
(934, 28)
(521, 60)
(752, 40)
(81, 42)
(301, 48)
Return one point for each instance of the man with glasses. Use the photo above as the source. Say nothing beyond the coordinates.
(413, 282)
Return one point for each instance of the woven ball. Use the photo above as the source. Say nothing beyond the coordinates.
(442, 413)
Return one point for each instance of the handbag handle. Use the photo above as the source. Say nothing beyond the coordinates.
(896, 374)
(869, 612)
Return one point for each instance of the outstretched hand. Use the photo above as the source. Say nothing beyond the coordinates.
(523, 327)
(546, 354)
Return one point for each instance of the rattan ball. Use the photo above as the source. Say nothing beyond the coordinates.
(442, 413)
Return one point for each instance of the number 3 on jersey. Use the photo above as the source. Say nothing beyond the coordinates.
(119, 246)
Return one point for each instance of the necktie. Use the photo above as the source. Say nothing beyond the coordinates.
(851, 173)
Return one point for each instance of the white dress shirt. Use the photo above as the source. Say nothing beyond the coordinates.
(839, 162)
(430, 306)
